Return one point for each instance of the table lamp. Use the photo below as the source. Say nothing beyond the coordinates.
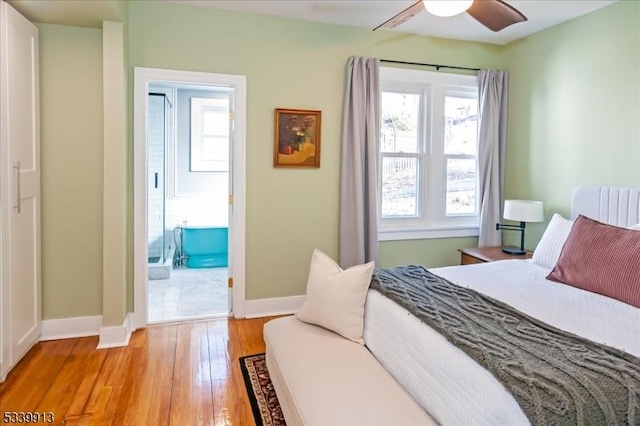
(520, 211)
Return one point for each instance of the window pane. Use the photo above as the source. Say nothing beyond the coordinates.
(399, 127)
(215, 122)
(214, 148)
(399, 187)
(461, 186)
(461, 125)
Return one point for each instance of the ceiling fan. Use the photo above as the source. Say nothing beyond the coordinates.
(493, 14)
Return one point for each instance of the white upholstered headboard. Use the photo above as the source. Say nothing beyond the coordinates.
(612, 205)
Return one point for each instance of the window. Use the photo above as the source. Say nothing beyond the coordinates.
(428, 182)
(209, 135)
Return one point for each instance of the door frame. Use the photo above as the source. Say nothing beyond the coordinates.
(143, 77)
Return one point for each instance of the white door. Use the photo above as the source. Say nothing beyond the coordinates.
(21, 136)
(5, 216)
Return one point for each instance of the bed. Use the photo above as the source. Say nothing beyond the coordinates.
(452, 387)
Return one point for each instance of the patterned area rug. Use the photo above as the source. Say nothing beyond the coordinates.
(264, 402)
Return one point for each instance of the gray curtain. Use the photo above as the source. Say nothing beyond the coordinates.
(358, 179)
(492, 141)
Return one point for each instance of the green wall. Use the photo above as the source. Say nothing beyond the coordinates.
(574, 109)
(574, 114)
(288, 64)
(71, 158)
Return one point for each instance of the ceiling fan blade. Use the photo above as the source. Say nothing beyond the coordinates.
(403, 16)
(495, 14)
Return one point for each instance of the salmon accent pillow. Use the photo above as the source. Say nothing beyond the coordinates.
(335, 296)
(601, 258)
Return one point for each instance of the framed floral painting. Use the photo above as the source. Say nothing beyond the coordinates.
(297, 138)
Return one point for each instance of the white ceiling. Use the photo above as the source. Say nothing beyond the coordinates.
(78, 13)
(541, 14)
(369, 14)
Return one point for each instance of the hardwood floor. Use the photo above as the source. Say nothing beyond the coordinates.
(180, 374)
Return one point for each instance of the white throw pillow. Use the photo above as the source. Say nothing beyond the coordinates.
(636, 227)
(335, 297)
(550, 246)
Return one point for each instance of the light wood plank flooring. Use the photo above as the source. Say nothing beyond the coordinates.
(179, 374)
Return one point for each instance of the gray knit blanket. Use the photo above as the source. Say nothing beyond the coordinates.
(557, 377)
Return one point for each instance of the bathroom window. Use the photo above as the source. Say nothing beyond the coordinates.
(209, 135)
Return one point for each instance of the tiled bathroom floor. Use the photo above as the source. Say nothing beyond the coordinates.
(189, 293)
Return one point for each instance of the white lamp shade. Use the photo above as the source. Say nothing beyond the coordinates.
(523, 210)
(446, 8)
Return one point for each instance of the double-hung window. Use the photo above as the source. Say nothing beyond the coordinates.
(428, 180)
(209, 135)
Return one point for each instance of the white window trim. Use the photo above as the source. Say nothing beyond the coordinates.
(430, 223)
(425, 234)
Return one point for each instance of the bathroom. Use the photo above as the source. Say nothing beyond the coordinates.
(188, 164)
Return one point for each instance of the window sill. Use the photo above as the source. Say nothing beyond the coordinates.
(425, 234)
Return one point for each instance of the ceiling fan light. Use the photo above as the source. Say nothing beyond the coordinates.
(446, 8)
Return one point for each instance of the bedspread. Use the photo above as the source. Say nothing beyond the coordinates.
(555, 376)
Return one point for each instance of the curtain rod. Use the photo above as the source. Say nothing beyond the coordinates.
(436, 66)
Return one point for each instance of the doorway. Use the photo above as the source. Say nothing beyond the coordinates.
(189, 195)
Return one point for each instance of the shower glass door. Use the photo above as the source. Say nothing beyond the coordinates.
(156, 166)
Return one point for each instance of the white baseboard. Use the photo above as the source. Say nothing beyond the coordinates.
(67, 328)
(274, 306)
(113, 337)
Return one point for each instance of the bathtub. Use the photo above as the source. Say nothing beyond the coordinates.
(205, 247)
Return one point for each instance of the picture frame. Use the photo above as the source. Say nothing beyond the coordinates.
(297, 138)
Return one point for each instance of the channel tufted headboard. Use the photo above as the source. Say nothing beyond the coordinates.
(613, 205)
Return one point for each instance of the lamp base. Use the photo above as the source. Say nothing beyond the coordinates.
(514, 251)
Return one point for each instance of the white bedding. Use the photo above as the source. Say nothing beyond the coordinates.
(450, 385)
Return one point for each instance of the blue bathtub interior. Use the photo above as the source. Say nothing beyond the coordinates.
(205, 247)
